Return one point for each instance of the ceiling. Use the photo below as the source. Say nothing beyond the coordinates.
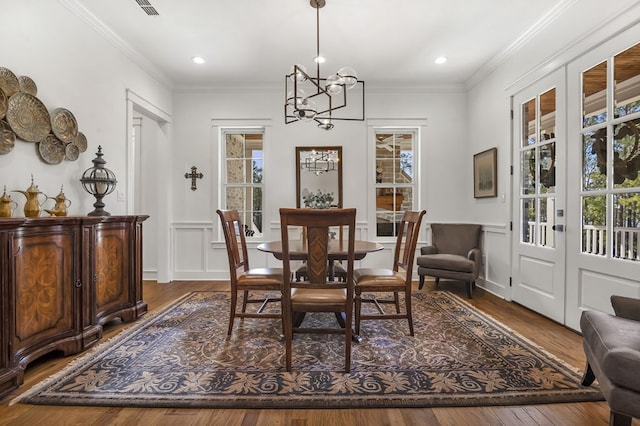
(253, 43)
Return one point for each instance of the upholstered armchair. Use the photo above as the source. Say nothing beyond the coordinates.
(454, 254)
(612, 346)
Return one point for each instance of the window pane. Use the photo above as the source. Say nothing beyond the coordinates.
(546, 221)
(528, 215)
(594, 95)
(394, 178)
(234, 146)
(235, 171)
(594, 209)
(548, 115)
(626, 72)
(626, 229)
(529, 123)
(244, 168)
(594, 160)
(527, 162)
(547, 168)
(626, 154)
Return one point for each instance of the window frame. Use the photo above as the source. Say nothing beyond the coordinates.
(240, 126)
(375, 127)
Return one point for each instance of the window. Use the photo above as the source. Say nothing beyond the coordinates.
(244, 182)
(395, 180)
(538, 170)
(610, 189)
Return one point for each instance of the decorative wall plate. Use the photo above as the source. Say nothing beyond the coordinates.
(64, 125)
(8, 81)
(7, 138)
(4, 103)
(81, 142)
(27, 85)
(71, 152)
(51, 149)
(28, 117)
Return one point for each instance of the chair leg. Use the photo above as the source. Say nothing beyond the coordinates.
(588, 376)
(347, 344)
(288, 337)
(232, 313)
(358, 307)
(619, 419)
(437, 281)
(407, 298)
(421, 282)
(245, 297)
(396, 299)
(469, 289)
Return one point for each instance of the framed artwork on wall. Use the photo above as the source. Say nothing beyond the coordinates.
(485, 179)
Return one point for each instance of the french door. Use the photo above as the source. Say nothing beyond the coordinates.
(538, 240)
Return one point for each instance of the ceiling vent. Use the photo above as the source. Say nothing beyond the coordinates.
(146, 6)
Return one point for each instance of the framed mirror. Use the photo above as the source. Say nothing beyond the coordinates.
(319, 176)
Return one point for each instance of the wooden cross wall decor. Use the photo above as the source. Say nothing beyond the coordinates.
(193, 176)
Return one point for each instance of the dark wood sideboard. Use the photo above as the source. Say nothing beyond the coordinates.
(61, 280)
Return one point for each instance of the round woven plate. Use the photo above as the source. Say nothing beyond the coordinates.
(4, 104)
(52, 150)
(64, 125)
(81, 142)
(28, 117)
(8, 81)
(71, 152)
(7, 138)
(27, 85)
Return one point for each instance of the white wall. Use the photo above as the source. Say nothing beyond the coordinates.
(582, 25)
(76, 68)
(445, 178)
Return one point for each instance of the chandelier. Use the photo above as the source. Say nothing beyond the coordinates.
(320, 99)
(318, 162)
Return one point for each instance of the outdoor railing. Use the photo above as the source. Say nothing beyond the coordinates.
(626, 240)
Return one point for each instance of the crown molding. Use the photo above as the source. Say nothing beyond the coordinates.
(125, 48)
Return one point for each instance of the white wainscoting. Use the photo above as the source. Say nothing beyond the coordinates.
(198, 253)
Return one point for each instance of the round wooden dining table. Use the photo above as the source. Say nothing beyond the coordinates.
(337, 251)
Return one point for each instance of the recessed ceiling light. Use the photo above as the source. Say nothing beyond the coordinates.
(198, 59)
(440, 60)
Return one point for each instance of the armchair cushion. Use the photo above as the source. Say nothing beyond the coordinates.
(450, 262)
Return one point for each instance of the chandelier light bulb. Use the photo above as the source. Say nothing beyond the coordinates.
(349, 77)
(333, 85)
(300, 99)
(325, 124)
(306, 111)
(298, 75)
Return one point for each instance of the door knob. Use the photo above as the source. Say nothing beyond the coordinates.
(559, 228)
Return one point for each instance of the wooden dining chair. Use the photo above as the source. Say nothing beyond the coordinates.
(245, 279)
(395, 280)
(317, 293)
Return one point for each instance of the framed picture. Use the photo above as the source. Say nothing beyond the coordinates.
(485, 179)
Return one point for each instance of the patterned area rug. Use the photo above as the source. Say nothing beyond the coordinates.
(181, 357)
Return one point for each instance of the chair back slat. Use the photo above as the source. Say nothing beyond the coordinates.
(405, 250)
(235, 241)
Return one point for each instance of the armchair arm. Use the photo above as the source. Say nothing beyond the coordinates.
(626, 307)
(430, 249)
(475, 255)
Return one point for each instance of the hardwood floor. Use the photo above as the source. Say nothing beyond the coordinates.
(557, 339)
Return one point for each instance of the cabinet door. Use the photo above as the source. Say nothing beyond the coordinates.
(44, 293)
(112, 280)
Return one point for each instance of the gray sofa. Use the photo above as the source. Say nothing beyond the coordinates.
(612, 346)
